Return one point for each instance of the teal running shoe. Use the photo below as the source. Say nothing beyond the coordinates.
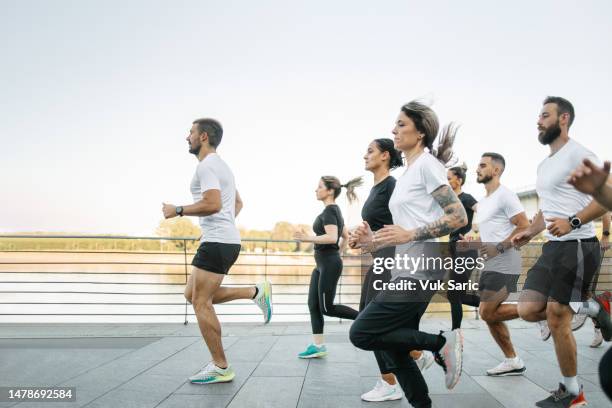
(313, 351)
(264, 300)
(212, 374)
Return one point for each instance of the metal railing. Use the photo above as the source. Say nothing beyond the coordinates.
(37, 283)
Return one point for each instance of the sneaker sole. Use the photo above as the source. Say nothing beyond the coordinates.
(604, 317)
(595, 345)
(519, 371)
(387, 398)
(315, 355)
(220, 379)
(459, 353)
(268, 296)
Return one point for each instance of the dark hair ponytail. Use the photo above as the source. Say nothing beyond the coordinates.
(332, 183)
(459, 172)
(395, 156)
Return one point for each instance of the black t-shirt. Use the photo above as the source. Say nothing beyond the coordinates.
(331, 215)
(468, 202)
(376, 208)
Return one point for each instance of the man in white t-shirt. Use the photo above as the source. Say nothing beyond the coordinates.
(500, 217)
(216, 203)
(557, 284)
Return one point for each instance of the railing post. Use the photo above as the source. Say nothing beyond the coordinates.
(340, 284)
(186, 277)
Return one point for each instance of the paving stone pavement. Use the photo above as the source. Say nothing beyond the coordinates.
(147, 365)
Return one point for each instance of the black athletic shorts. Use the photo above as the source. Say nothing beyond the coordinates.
(495, 281)
(216, 257)
(565, 269)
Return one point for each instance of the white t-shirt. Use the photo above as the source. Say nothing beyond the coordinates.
(557, 197)
(494, 214)
(412, 206)
(213, 173)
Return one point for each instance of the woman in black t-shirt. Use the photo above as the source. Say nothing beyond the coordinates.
(458, 298)
(328, 228)
(380, 158)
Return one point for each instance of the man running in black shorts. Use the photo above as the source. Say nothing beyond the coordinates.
(216, 203)
(556, 285)
(500, 217)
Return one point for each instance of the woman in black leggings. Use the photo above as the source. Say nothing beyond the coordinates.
(458, 298)
(328, 228)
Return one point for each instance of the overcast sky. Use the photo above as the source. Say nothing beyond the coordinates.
(97, 97)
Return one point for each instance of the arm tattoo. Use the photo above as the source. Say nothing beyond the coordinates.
(454, 215)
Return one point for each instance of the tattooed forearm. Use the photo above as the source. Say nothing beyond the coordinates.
(454, 216)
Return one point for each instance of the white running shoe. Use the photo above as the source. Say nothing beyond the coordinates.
(383, 391)
(510, 366)
(578, 321)
(212, 374)
(264, 300)
(425, 361)
(598, 339)
(544, 330)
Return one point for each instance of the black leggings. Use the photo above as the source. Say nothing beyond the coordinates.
(457, 298)
(368, 293)
(322, 291)
(392, 327)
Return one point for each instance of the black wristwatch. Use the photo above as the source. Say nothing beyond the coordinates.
(606, 233)
(179, 211)
(575, 222)
(500, 248)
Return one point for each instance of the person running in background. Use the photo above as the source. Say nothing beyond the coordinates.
(500, 217)
(459, 297)
(579, 319)
(329, 228)
(423, 207)
(216, 203)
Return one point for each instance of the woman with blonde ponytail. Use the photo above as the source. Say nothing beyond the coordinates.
(329, 228)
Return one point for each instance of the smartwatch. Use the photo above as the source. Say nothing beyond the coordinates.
(575, 222)
(500, 248)
(606, 233)
(179, 211)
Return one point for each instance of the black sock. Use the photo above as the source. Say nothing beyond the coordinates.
(256, 292)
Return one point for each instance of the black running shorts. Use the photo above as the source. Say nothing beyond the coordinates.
(565, 269)
(495, 281)
(216, 257)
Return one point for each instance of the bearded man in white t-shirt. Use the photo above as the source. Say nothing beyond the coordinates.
(500, 217)
(557, 284)
(216, 203)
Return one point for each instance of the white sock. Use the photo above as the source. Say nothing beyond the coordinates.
(319, 345)
(512, 360)
(571, 384)
(589, 308)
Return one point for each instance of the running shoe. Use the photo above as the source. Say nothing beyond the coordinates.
(597, 340)
(578, 321)
(602, 319)
(313, 351)
(449, 357)
(561, 398)
(212, 374)
(425, 361)
(383, 391)
(544, 330)
(510, 366)
(264, 300)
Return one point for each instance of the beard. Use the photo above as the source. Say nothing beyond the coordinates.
(195, 150)
(484, 179)
(547, 136)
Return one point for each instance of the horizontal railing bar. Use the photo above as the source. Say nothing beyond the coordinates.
(141, 293)
(146, 283)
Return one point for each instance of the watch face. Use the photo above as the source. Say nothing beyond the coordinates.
(575, 222)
